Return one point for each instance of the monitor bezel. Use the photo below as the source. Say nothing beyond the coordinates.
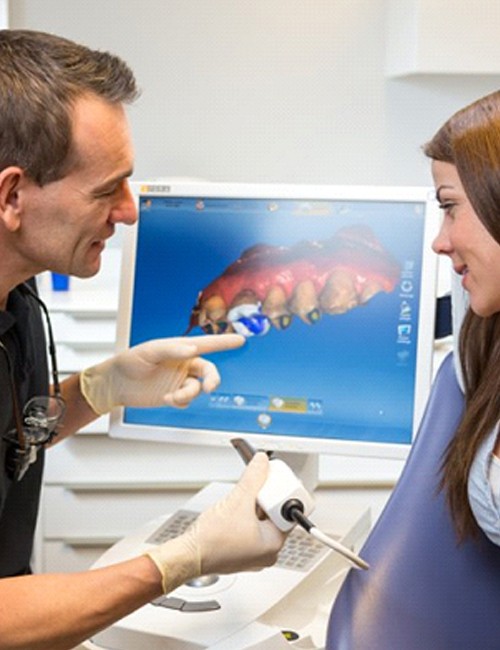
(425, 347)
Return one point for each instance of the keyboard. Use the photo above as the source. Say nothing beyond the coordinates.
(299, 553)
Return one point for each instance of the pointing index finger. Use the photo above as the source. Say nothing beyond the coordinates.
(216, 342)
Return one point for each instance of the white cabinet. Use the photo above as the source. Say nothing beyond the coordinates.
(442, 37)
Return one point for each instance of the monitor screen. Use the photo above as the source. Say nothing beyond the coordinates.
(334, 288)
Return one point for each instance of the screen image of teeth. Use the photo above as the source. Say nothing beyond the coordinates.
(326, 294)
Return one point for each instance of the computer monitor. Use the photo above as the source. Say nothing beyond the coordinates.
(334, 287)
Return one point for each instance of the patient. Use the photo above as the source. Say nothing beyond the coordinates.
(466, 170)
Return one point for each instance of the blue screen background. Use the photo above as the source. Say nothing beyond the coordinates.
(354, 372)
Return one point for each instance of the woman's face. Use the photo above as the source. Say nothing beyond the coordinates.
(474, 253)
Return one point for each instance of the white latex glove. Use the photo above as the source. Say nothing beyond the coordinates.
(156, 373)
(227, 538)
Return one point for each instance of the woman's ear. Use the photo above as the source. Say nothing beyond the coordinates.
(10, 179)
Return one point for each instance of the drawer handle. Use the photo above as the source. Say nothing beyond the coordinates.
(132, 487)
(90, 542)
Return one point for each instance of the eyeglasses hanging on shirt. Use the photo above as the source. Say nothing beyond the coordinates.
(37, 424)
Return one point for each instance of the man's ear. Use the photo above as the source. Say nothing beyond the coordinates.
(10, 180)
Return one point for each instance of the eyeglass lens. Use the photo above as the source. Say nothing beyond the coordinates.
(41, 414)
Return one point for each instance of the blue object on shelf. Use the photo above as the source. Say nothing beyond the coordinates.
(60, 282)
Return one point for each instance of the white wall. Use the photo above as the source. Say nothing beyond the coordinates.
(274, 90)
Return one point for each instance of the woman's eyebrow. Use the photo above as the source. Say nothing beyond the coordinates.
(440, 188)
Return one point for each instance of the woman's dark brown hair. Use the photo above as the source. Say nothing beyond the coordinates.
(470, 140)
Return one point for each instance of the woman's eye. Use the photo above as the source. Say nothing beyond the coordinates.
(446, 206)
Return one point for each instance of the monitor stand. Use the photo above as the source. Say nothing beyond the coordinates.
(264, 610)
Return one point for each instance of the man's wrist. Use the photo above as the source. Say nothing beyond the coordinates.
(177, 561)
(95, 386)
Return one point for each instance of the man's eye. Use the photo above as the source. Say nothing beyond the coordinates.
(105, 193)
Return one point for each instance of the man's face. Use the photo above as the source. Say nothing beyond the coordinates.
(65, 224)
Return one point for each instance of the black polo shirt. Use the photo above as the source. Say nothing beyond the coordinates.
(21, 331)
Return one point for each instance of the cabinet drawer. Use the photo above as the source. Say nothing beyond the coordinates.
(100, 459)
(73, 359)
(99, 426)
(72, 555)
(86, 514)
(84, 332)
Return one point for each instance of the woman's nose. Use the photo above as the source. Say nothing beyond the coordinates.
(441, 244)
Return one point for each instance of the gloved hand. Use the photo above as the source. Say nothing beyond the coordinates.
(226, 538)
(156, 373)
